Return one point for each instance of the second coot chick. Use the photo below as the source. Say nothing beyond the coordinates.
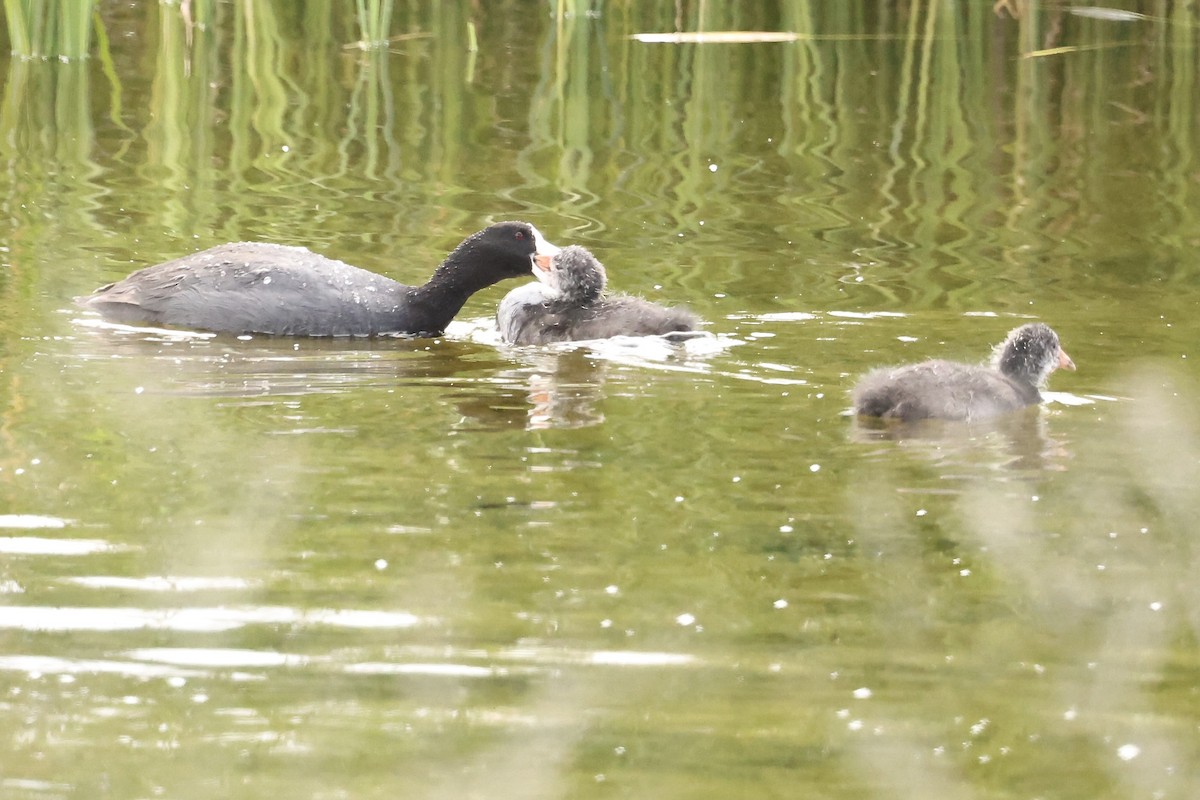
(250, 287)
(569, 304)
(952, 391)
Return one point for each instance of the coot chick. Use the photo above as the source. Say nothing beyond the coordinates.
(949, 390)
(569, 304)
(250, 287)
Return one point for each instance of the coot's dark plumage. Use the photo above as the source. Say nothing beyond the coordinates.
(948, 390)
(569, 304)
(250, 287)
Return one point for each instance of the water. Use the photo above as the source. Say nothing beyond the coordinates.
(449, 568)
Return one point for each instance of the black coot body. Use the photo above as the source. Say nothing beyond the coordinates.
(249, 287)
(952, 391)
(569, 304)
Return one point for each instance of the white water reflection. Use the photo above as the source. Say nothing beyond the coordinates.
(49, 665)
(778, 316)
(193, 620)
(159, 583)
(217, 657)
(146, 332)
(40, 546)
(1068, 399)
(434, 670)
(32, 521)
(610, 658)
(567, 382)
(450, 665)
(861, 314)
(31, 787)
(175, 662)
(632, 658)
(646, 349)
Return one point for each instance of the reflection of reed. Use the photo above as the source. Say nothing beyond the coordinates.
(1077, 138)
(259, 99)
(374, 17)
(574, 57)
(50, 184)
(371, 117)
(47, 141)
(59, 29)
(809, 85)
(180, 134)
(565, 119)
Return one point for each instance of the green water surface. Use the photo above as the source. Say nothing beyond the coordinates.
(447, 568)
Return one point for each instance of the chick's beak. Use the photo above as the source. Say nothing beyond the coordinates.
(1064, 360)
(543, 253)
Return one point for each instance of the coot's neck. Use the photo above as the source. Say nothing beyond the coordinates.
(1021, 366)
(1022, 374)
(1029, 391)
(443, 296)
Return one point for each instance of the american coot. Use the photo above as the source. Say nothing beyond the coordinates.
(569, 304)
(948, 390)
(249, 287)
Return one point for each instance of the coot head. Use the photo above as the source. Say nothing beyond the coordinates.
(573, 274)
(509, 248)
(1030, 353)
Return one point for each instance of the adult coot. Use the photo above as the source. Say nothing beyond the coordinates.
(948, 390)
(249, 287)
(569, 304)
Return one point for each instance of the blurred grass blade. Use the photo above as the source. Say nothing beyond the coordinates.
(716, 37)
(1107, 14)
(18, 28)
(1073, 48)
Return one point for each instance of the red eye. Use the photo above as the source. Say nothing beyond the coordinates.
(520, 235)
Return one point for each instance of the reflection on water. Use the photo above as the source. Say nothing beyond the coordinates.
(1019, 441)
(203, 364)
(159, 583)
(36, 545)
(563, 385)
(31, 521)
(567, 382)
(563, 388)
(192, 620)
